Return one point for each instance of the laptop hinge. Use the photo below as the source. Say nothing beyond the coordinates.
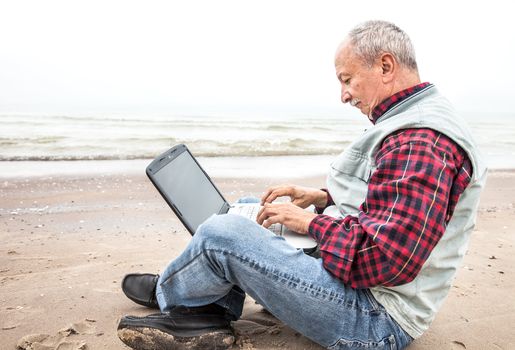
(225, 208)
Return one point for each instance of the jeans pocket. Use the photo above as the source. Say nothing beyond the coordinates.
(387, 343)
(372, 301)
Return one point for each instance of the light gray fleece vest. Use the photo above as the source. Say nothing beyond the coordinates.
(413, 305)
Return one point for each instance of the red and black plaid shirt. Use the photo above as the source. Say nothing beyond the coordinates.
(411, 196)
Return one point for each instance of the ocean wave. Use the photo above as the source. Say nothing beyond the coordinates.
(112, 137)
(151, 156)
(164, 119)
(205, 148)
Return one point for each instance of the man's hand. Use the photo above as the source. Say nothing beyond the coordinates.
(300, 196)
(288, 214)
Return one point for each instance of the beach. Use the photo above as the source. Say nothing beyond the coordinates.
(69, 237)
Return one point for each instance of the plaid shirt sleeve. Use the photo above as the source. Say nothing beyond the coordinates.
(329, 201)
(411, 197)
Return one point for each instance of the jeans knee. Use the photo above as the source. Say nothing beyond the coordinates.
(220, 229)
(211, 227)
(223, 230)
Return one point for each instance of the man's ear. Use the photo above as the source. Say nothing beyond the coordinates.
(388, 67)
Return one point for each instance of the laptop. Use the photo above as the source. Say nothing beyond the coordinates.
(193, 196)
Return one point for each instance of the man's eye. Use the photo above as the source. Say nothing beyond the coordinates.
(347, 81)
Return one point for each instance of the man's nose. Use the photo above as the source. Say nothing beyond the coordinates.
(346, 97)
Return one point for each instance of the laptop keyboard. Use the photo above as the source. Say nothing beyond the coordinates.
(251, 211)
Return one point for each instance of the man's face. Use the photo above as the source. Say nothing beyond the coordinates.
(361, 86)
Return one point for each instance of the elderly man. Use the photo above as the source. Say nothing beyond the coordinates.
(392, 226)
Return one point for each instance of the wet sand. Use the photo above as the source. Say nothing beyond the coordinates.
(67, 241)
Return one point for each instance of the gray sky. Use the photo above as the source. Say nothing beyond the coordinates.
(108, 55)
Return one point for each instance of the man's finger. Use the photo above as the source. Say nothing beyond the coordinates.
(264, 213)
(270, 196)
(265, 196)
(260, 216)
(271, 220)
(269, 210)
(275, 193)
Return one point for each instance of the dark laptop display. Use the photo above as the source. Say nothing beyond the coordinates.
(186, 187)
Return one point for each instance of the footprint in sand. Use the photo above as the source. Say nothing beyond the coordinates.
(59, 341)
(457, 345)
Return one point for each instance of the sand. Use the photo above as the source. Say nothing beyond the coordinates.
(68, 240)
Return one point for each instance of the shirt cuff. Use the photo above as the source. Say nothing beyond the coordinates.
(320, 210)
(320, 226)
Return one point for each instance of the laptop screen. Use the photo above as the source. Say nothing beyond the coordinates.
(185, 185)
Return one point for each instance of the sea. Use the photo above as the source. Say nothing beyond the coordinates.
(109, 137)
(121, 136)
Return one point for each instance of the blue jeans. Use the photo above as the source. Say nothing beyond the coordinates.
(230, 255)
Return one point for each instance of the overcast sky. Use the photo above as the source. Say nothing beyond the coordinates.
(107, 55)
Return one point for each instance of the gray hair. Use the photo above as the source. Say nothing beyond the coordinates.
(373, 38)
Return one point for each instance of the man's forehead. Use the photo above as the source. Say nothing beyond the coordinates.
(345, 48)
(345, 57)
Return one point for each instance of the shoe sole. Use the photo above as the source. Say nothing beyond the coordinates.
(143, 338)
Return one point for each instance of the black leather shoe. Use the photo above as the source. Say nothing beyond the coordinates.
(182, 328)
(141, 288)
